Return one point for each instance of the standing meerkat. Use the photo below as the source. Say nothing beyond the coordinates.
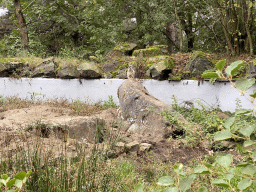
(130, 72)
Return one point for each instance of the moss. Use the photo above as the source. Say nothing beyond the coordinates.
(199, 54)
(123, 47)
(177, 77)
(150, 52)
(32, 61)
(254, 62)
(169, 62)
(114, 73)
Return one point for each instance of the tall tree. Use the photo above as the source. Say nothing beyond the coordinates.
(22, 25)
(237, 20)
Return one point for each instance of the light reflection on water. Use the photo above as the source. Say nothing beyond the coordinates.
(220, 94)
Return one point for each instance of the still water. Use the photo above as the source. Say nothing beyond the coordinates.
(219, 94)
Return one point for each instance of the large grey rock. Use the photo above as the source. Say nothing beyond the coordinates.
(251, 70)
(6, 69)
(67, 73)
(143, 111)
(124, 49)
(198, 65)
(46, 69)
(89, 71)
(78, 128)
(162, 67)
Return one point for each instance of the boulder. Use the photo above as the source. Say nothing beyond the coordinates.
(251, 70)
(151, 51)
(78, 128)
(46, 69)
(6, 69)
(161, 69)
(198, 64)
(144, 112)
(89, 71)
(67, 73)
(124, 49)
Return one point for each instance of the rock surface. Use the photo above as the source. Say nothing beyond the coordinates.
(80, 128)
(89, 71)
(198, 65)
(162, 67)
(46, 69)
(143, 111)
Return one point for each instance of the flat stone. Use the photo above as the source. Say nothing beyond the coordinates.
(145, 146)
(133, 146)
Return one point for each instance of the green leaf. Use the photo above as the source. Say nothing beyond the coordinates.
(254, 94)
(209, 166)
(244, 184)
(165, 181)
(254, 155)
(201, 170)
(220, 64)
(230, 121)
(222, 135)
(18, 183)
(248, 143)
(234, 67)
(210, 75)
(12, 190)
(244, 84)
(28, 173)
(247, 131)
(178, 169)
(249, 170)
(10, 183)
(242, 164)
(224, 160)
(171, 189)
(4, 176)
(242, 111)
(202, 189)
(229, 176)
(20, 175)
(139, 187)
(220, 183)
(185, 183)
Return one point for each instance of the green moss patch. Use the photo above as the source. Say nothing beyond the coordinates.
(151, 51)
(199, 54)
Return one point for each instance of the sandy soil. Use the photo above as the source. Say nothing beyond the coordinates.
(13, 135)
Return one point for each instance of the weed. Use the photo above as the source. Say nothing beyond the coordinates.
(109, 103)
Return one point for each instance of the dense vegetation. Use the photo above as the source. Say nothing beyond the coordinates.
(83, 28)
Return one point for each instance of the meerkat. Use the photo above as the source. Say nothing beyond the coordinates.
(130, 72)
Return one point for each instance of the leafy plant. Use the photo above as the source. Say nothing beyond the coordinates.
(109, 103)
(15, 184)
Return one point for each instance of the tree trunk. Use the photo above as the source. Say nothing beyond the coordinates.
(189, 33)
(180, 28)
(22, 24)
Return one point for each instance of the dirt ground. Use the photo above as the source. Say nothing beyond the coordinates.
(13, 136)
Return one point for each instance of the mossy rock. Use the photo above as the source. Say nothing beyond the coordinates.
(89, 71)
(198, 64)
(167, 61)
(177, 77)
(198, 54)
(151, 51)
(125, 47)
(162, 67)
